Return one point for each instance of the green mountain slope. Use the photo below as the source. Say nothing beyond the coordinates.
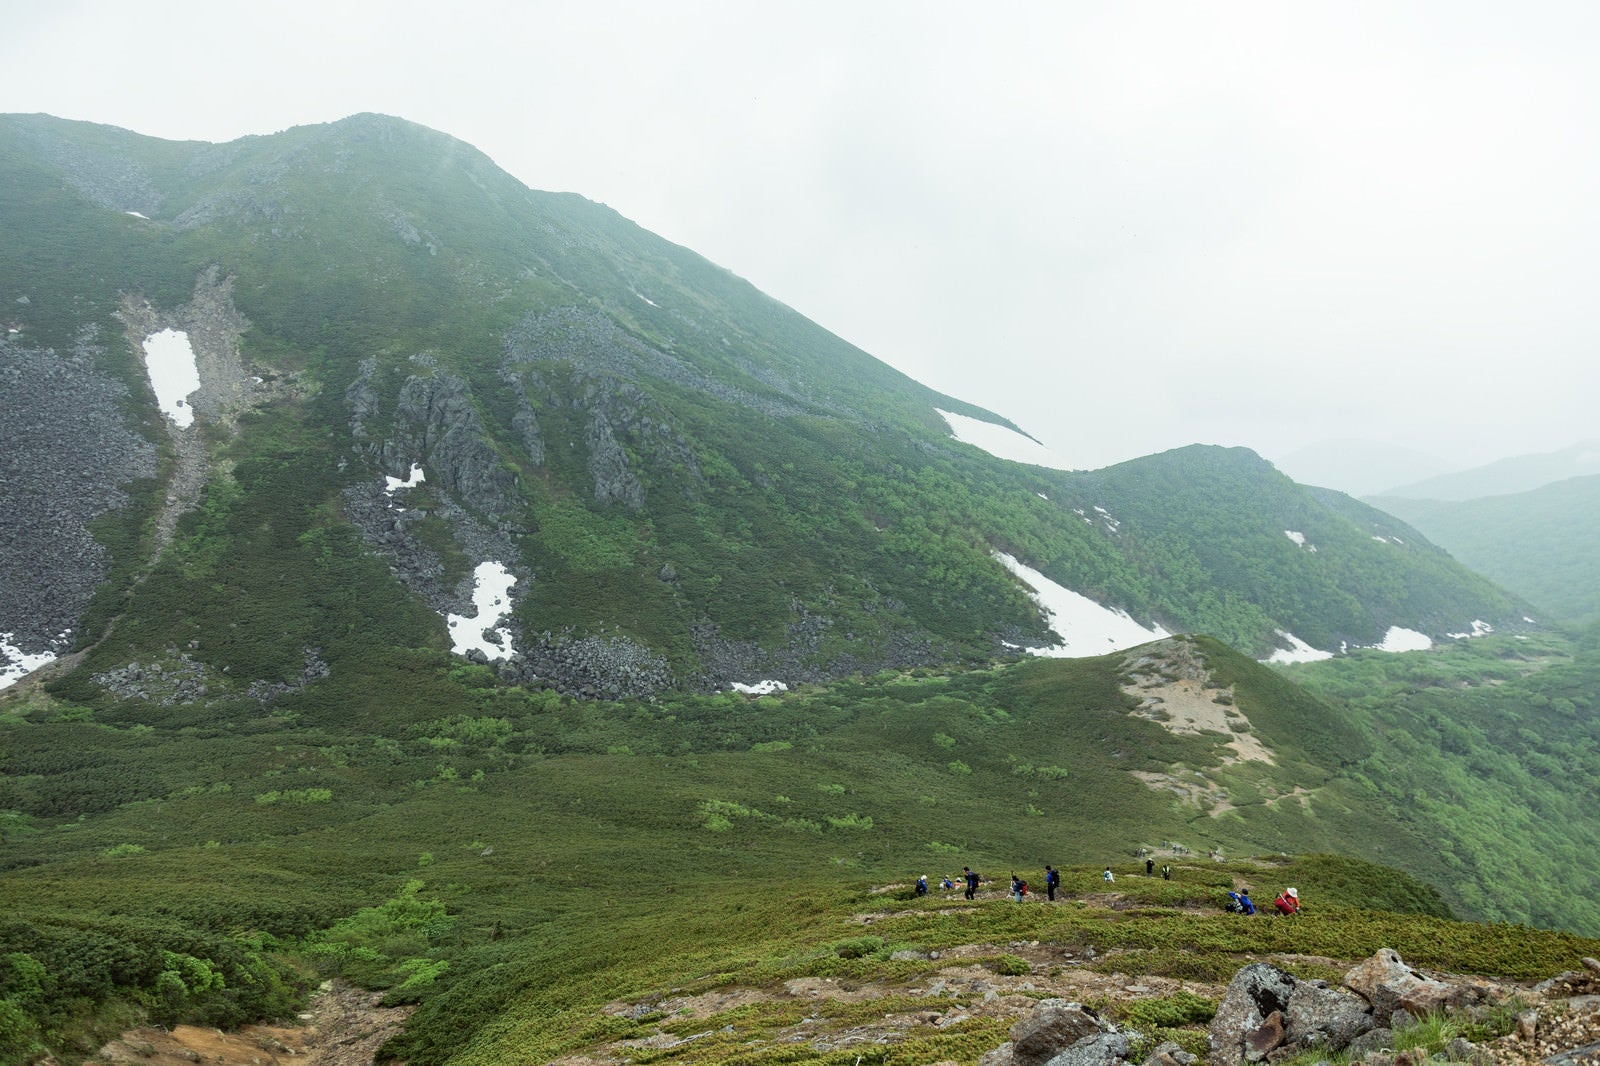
(1543, 544)
(689, 483)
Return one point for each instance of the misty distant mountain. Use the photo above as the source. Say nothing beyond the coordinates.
(1359, 467)
(1543, 545)
(1521, 473)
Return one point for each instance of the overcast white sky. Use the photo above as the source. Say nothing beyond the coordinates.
(1125, 226)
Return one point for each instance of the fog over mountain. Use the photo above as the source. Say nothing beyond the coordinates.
(1125, 229)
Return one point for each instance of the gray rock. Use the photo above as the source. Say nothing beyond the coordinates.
(1269, 1014)
(1050, 1028)
(1102, 1049)
(1256, 992)
(1000, 1056)
(1170, 1053)
(1376, 1039)
(1323, 1017)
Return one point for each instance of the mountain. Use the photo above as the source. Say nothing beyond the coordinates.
(1544, 544)
(420, 382)
(1504, 477)
(398, 643)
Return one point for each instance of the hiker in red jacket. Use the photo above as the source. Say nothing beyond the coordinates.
(1288, 902)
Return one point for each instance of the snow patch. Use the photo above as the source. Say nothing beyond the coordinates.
(1480, 628)
(16, 664)
(760, 688)
(393, 483)
(1085, 627)
(1299, 539)
(1298, 651)
(1398, 638)
(169, 361)
(491, 601)
(1002, 442)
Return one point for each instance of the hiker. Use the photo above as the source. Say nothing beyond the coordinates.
(1018, 887)
(922, 885)
(972, 882)
(1246, 902)
(1108, 877)
(1052, 881)
(1166, 871)
(1149, 867)
(1288, 902)
(947, 884)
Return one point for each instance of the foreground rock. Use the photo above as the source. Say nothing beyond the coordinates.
(1060, 1034)
(1270, 1014)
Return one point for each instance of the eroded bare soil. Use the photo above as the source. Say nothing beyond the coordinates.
(344, 1026)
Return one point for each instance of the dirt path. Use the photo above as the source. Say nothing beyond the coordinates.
(343, 1027)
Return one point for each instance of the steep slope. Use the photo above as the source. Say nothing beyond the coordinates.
(666, 478)
(1543, 544)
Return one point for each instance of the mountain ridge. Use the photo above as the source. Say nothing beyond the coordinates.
(708, 433)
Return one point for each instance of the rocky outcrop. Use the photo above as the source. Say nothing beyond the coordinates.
(1269, 1013)
(802, 657)
(68, 454)
(436, 425)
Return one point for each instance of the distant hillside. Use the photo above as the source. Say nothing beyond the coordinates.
(1517, 474)
(1544, 544)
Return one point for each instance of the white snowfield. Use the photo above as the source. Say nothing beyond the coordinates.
(16, 664)
(491, 601)
(1084, 626)
(1002, 442)
(1298, 651)
(760, 688)
(391, 484)
(169, 360)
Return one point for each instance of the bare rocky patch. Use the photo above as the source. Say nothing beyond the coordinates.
(344, 1026)
(1174, 689)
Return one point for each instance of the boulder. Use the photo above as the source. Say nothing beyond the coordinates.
(1386, 982)
(1049, 1029)
(1170, 1053)
(1269, 1015)
(1323, 1017)
(1255, 994)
